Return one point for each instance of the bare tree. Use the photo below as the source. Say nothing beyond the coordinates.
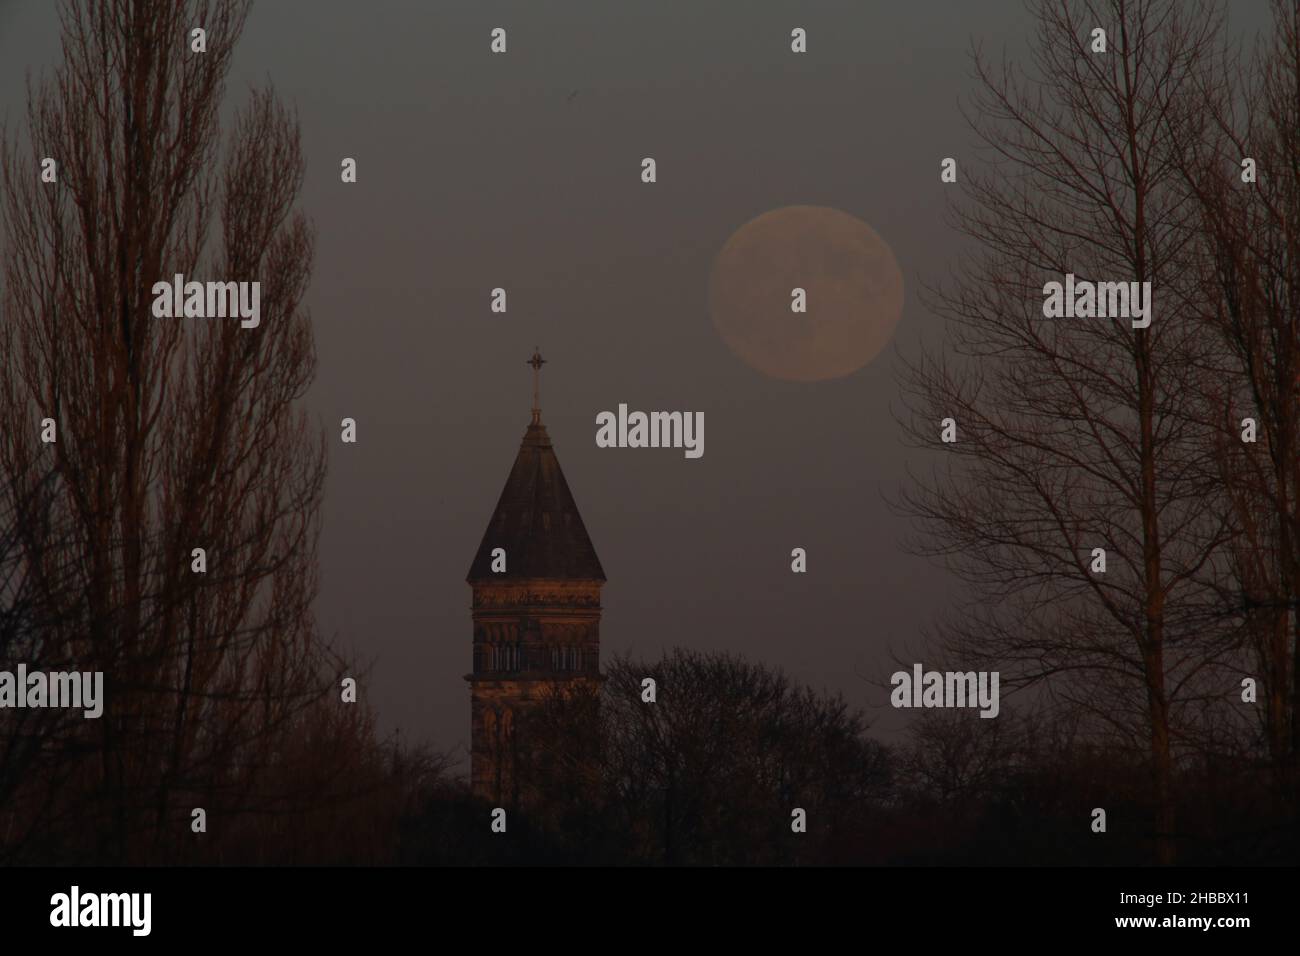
(1251, 291)
(711, 771)
(1077, 434)
(172, 434)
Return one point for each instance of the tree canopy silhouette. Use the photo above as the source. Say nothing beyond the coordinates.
(172, 435)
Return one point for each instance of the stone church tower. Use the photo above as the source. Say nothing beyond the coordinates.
(537, 622)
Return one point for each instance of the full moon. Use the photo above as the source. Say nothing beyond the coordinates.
(852, 285)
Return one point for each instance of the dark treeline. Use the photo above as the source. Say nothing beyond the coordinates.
(710, 773)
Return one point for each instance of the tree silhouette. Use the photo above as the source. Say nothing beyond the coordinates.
(1251, 294)
(709, 773)
(1076, 434)
(172, 434)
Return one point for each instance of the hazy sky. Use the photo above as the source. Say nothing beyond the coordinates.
(477, 171)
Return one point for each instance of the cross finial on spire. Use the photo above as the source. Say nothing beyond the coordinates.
(537, 362)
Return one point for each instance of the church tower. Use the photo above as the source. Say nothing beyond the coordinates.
(536, 585)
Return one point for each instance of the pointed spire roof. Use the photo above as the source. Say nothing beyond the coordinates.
(536, 519)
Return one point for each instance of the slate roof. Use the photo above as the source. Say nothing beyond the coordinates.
(537, 521)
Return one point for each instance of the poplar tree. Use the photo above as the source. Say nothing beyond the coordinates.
(172, 435)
